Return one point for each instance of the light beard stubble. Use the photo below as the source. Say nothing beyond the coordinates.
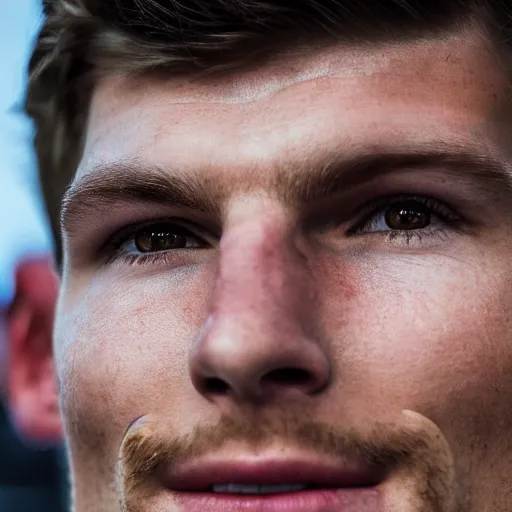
(412, 449)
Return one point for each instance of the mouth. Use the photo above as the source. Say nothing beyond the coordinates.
(269, 485)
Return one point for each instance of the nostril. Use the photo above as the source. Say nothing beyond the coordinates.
(288, 377)
(215, 386)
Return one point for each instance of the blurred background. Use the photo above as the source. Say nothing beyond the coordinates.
(31, 478)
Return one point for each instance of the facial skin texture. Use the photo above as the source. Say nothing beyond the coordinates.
(376, 325)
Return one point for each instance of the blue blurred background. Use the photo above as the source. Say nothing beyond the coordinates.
(30, 479)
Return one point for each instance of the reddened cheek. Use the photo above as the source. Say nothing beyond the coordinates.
(348, 290)
(339, 281)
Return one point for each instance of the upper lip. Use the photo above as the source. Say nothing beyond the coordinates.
(200, 475)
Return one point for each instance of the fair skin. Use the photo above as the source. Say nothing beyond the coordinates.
(298, 304)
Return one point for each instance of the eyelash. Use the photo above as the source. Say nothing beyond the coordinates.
(145, 259)
(369, 212)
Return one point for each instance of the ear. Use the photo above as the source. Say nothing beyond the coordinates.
(32, 379)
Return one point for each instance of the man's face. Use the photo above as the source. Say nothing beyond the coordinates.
(294, 274)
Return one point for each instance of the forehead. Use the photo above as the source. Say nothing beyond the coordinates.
(355, 98)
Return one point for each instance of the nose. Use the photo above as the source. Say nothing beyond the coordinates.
(258, 342)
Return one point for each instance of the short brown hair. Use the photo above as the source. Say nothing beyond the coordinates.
(83, 39)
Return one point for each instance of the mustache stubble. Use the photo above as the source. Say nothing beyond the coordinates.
(411, 448)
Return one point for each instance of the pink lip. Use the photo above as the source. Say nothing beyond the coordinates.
(364, 499)
(350, 486)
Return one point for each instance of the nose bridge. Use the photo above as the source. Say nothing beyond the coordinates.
(257, 262)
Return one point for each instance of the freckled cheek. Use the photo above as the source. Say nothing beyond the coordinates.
(127, 357)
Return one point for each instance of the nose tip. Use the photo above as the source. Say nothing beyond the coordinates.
(258, 371)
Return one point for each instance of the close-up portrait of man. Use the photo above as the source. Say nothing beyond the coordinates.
(285, 237)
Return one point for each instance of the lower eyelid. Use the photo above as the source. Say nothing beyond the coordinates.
(408, 237)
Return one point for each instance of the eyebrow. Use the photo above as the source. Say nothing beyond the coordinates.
(307, 183)
(294, 183)
(127, 182)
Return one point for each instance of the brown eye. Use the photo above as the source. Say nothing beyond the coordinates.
(163, 237)
(404, 216)
(408, 219)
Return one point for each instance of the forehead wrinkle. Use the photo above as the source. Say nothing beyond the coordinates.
(292, 67)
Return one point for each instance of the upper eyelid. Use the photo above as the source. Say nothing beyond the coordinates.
(374, 207)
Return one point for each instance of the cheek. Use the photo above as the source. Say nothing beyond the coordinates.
(121, 354)
(419, 334)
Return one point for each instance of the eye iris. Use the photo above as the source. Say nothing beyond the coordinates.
(407, 216)
(156, 239)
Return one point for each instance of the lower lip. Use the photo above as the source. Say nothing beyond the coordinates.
(367, 499)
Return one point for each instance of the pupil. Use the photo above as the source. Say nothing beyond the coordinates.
(404, 216)
(159, 239)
